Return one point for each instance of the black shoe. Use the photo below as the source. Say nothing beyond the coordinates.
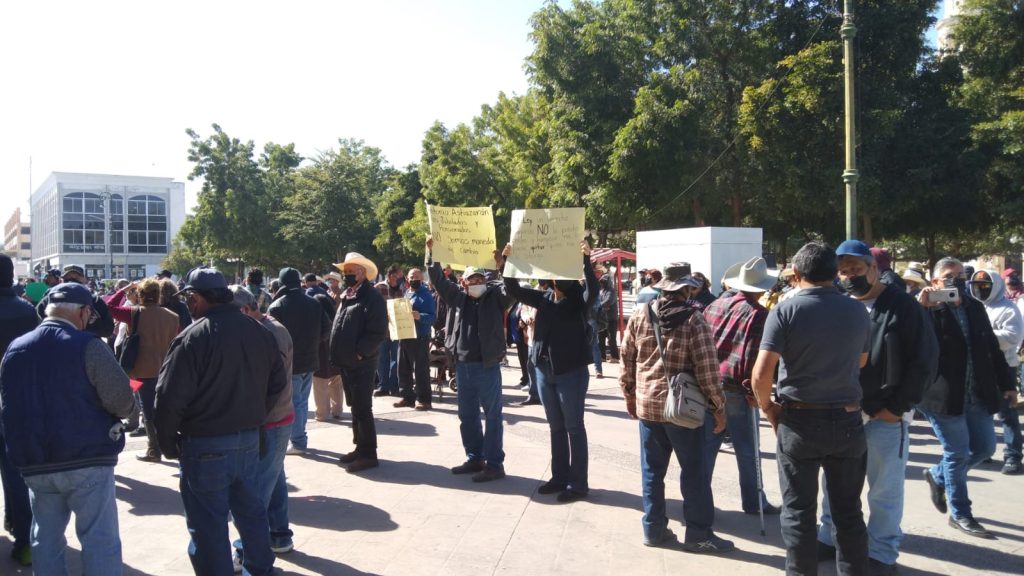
(528, 402)
(424, 406)
(666, 538)
(348, 458)
(826, 552)
(768, 509)
(550, 487)
(489, 473)
(361, 464)
(712, 545)
(970, 526)
(938, 493)
(405, 404)
(379, 393)
(148, 457)
(877, 568)
(1011, 468)
(567, 496)
(469, 467)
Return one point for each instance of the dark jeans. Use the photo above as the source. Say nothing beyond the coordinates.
(387, 366)
(809, 440)
(740, 422)
(220, 475)
(563, 397)
(523, 353)
(606, 340)
(658, 440)
(17, 507)
(1011, 431)
(147, 396)
(358, 383)
(480, 389)
(414, 367)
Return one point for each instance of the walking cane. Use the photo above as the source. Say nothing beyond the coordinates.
(757, 467)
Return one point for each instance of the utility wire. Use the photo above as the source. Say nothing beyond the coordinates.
(736, 138)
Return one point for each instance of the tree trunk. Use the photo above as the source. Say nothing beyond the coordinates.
(868, 231)
(698, 216)
(737, 209)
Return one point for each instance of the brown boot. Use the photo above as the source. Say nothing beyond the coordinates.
(153, 450)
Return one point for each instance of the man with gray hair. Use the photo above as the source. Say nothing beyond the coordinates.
(973, 377)
(54, 371)
(273, 486)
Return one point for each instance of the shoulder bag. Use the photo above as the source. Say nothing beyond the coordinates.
(129, 351)
(686, 404)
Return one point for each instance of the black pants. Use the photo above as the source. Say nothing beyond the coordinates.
(147, 394)
(523, 352)
(358, 384)
(414, 366)
(606, 341)
(809, 440)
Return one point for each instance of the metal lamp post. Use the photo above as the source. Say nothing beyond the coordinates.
(850, 176)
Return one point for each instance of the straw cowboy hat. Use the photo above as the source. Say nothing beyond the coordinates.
(751, 276)
(357, 259)
(333, 276)
(915, 273)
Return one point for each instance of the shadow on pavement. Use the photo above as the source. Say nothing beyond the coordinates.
(609, 413)
(404, 428)
(317, 565)
(407, 472)
(969, 556)
(338, 514)
(148, 500)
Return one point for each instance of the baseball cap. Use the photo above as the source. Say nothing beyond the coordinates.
(73, 269)
(471, 271)
(853, 248)
(203, 279)
(69, 293)
(243, 297)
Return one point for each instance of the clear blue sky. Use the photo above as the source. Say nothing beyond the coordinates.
(111, 86)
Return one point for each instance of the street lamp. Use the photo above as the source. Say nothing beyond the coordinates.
(850, 176)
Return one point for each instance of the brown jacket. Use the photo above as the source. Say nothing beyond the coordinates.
(158, 326)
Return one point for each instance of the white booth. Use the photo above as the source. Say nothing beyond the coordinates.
(709, 250)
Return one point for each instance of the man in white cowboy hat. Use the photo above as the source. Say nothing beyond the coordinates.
(737, 322)
(360, 327)
(334, 288)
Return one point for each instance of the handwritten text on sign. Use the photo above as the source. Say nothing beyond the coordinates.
(462, 236)
(546, 244)
(400, 321)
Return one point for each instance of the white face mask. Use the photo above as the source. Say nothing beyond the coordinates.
(476, 290)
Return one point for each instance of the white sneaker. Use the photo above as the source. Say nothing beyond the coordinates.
(294, 451)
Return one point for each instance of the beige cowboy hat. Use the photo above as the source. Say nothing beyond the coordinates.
(333, 276)
(916, 273)
(750, 276)
(357, 259)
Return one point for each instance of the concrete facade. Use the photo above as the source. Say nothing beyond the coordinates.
(114, 226)
(944, 27)
(18, 237)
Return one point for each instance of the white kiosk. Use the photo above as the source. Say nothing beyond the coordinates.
(710, 250)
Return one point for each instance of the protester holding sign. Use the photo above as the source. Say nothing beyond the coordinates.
(477, 339)
(414, 356)
(561, 353)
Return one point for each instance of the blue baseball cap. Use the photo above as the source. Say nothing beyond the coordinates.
(69, 293)
(853, 248)
(204, 280)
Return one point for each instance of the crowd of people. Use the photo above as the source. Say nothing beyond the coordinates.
(838, 352)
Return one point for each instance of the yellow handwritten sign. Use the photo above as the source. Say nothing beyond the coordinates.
(546, 244)
(400, 320)
(462, 236)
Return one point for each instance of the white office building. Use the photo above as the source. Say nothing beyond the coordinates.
(113, 226)
(951, 10)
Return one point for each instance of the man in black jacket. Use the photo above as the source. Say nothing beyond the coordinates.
(477, 339)
(221, 377)
(308, 325)
(972, 378)
(360, 327)
(103, 324)
(17, 317)
(901, 362)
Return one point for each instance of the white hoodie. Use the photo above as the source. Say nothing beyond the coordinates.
(1006, 319)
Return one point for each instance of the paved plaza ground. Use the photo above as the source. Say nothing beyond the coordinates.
(412, 516)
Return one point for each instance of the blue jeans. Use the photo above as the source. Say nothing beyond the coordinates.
(1011, 431)
(888, 450)
(17, 507)
(387, 366)
(220, 475)
(301, 386)
(658, 440)
(479, 386)
(272, 480)
(967, 440)
(809, 441)
(89, 493)
(739, 422)
(563, 397)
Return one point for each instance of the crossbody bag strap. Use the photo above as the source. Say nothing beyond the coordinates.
(652, 316)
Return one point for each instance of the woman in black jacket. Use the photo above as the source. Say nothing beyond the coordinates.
(561, 351)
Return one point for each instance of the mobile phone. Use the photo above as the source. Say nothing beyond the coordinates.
(945, 295)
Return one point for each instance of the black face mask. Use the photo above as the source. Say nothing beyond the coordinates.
(350, 280)
(960, 284)
(983, 291)
(566, 286)
(415, 284)
(857, 285)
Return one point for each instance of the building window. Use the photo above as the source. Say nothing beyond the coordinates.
(83, 224)
(117, 225)
(26, 230)
(147, 225)
(95, 272)
(136, 272)
(26, 245)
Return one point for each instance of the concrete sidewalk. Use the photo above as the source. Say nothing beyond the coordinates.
(412, 516)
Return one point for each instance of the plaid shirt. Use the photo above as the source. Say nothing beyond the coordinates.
(736, 326)
(687, 347)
